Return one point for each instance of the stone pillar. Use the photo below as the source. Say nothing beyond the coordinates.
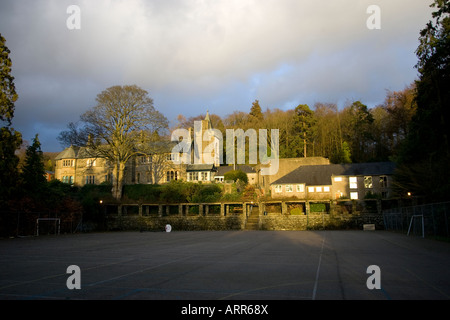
(160, 210)
(140, 210)
(180, 209)
(307, 209)
(284, 209)
(222, 210)
(200, 209)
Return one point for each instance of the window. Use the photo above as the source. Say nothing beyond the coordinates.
(326, 189)
(278, 188)
(318, 189)
(368, 182)
(337, 179)
(354, 195)
(289, 188)
(67, 179)
(90, 180)
(353, 183)
(68, 163)
(300, 188)
(311, 189)
(171, 175)
(172, 157)
(383, 182)
(204, 176)
(144, 159)
(192, 176)
(91, 162)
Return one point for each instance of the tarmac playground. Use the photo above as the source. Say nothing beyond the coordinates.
(225, 265)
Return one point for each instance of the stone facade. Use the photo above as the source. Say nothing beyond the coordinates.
(336, 182)
(79, 166)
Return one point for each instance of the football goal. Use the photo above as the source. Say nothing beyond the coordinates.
(56, 225)
(417, 218)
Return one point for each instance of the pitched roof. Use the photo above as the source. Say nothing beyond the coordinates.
(68, 153)
(200, 167)
(224, 169)
(75, 153)
(322, 174)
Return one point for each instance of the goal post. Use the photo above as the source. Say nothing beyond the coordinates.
(57, 222)
(421, 219)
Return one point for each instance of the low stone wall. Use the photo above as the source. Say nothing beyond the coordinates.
(319, 221)
(178, 223)
(313, 221)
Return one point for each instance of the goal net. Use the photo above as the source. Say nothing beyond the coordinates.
(417, 225)
(48, 226)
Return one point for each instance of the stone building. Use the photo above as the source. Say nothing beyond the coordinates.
(336, 181)
(78, 166)
(286, 165)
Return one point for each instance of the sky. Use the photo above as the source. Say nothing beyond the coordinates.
(197, 55)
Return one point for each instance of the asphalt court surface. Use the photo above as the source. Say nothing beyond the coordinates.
(225, 265)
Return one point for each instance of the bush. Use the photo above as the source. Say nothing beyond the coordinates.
(207, 193)
(177, 191)
(236, 175)
(143, 192)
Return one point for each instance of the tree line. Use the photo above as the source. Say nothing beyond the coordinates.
(353, 134)
(410, 127)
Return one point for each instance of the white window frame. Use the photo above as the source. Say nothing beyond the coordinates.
(91, 162)
(353, 182)
(289, 188)
(278, 188)
(300, 188)
(354, 195)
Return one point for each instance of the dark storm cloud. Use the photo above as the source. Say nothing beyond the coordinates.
(193, 55)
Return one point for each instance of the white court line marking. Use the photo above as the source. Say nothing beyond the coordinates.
(18, 283)
(318, 271)
(136, 272)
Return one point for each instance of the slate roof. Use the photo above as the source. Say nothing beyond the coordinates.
(224, 169)
(200, 167)
(321, 174)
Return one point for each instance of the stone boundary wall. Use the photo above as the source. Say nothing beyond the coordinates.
(320, 221)
(178, 223)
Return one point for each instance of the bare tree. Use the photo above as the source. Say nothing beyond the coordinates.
(119, 126)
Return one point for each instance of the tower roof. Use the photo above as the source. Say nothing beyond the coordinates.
(207, 118)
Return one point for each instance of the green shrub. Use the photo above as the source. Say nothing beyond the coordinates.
(207, 193)
(143, 192)
(236, 175)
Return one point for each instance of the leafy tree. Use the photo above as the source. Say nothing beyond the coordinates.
(358, 131)
(33, 179)
(10, 141)
(256, 112)
(8, 93)
(118, 127)
(426, 152)
(304, 122)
